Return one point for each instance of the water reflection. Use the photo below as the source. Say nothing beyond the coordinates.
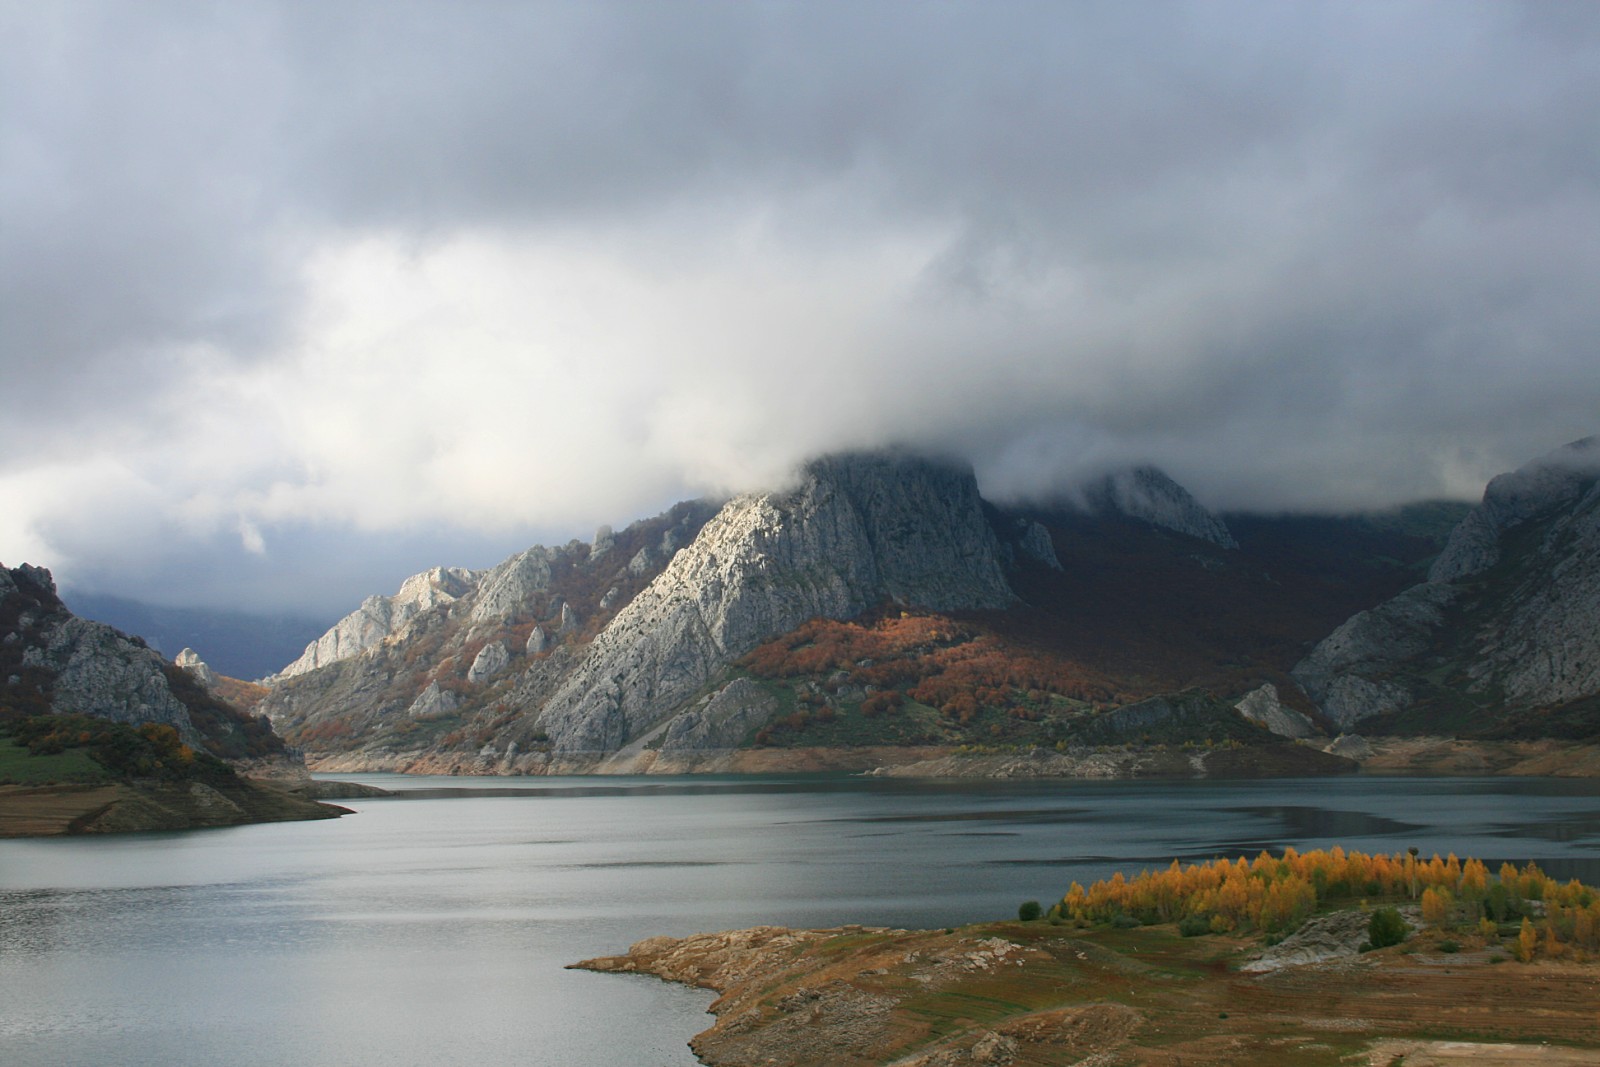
(433, 927)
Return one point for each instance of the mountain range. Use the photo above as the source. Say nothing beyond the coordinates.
(879, 610)
(880, 602)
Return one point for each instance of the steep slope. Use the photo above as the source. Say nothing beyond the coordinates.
(1148, 495)
(452, 658)
(53, 662)
(887, 603)
(1505, 634)
(857, 530)
(235, 643)
(98, 733)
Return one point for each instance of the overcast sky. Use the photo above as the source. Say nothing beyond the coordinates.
(297, 299)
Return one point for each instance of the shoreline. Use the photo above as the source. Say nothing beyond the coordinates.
(75, 809)
(1410, 756)
(1033, 993)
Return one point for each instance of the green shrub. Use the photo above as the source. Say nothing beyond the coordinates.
(1386, 928)
(1194, 925)
(1029, 911)
(1449, 946)
(1497, 905)
(1124, 921)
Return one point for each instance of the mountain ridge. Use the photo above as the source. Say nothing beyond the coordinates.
(653, 666)
(1507, 622)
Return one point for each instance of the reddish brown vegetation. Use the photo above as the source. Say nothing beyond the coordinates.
(931, 659)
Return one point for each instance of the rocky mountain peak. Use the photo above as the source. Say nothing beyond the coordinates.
(52, 661)
(1147, 494)
(1555, 480)
(381, 617)
(858, 528)
(190, 661)
(1508, 621)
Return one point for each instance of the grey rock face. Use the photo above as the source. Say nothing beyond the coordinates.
(513, 586)
(857, 529)
(1548, 649)
(721, 720)
(538, 641)
(100, 672)
(95, 670)
(1190, 708)
(380, 617)
(1556, 480)
(373, 666)
(1262, 707)
(1035, 541)
(190, 661)
(1346, 673)
(490, 661)
(1147, 494)
(1350, 746)
(432, 701)
(1511, 607)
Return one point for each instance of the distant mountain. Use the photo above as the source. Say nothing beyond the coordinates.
(880, 600)
(1503, 639)
(1149, 495)
(234, 643)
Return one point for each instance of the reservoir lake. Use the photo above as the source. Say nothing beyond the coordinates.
(433, 928)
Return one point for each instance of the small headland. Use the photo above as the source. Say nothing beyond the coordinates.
(73, 774)
(1326, 958)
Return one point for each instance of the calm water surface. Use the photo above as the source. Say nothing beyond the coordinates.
(433, 928)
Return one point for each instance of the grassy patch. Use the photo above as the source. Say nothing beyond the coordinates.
(20, 767)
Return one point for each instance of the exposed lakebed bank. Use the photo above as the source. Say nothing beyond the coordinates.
(1384, 755)
(1015, 993)
(131, 806)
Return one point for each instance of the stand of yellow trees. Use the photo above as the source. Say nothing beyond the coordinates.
(1276, 894)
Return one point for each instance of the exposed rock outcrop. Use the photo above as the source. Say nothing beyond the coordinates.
(458, 648)
(382, 617)
(1149, 495)
(83, 667)
(490, 661)
(720, 720)
(190, 661)
(433, 700)
(1262, 707)
(856, 530)
(1509, 619)
(1035, 541)
(53, 662)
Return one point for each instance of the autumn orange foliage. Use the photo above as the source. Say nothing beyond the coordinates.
(933, 660)
(1273, 894)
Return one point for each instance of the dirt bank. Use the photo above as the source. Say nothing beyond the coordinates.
(48, 810)
(1034, 994)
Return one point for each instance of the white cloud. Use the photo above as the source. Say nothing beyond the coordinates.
(378, 280)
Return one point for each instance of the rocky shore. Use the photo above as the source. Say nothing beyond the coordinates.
(1037, 994)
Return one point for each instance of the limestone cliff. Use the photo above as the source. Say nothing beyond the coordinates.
(52, 661)
(382, 617)
(459, 656)
(1149, 495)
(856, 530)
(1508, 621)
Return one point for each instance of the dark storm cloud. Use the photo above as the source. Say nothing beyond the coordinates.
(275, 270)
